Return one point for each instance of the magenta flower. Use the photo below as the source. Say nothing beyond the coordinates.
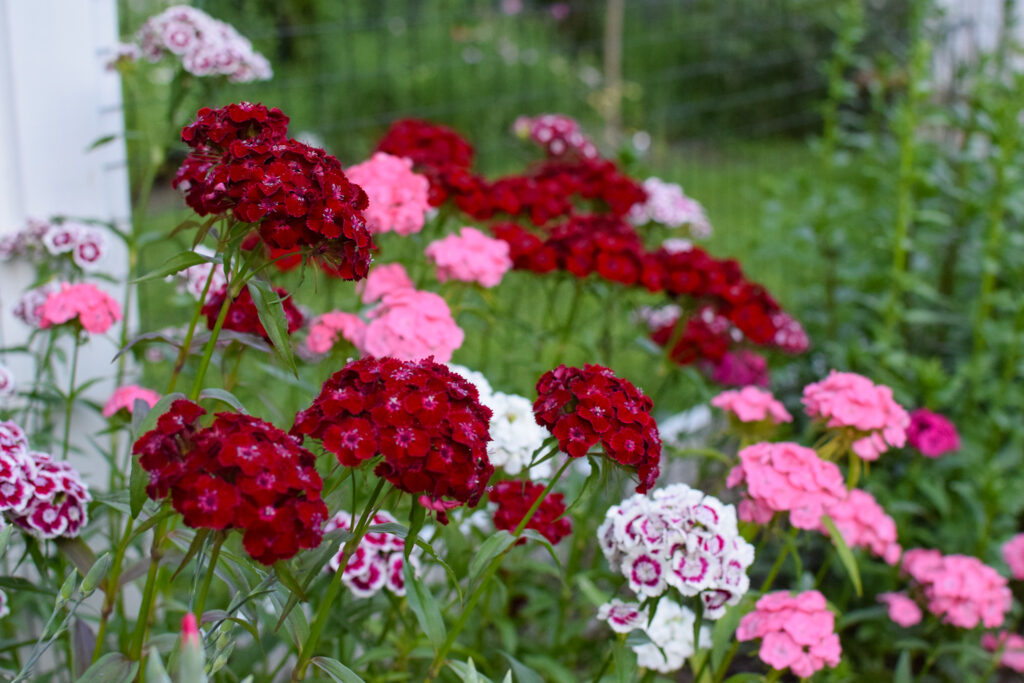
(124, 398)
(797, 632)
(751, 404)
(1013, 553)
(902, 610)
(931, 433)
(398, 197)
(470, 256)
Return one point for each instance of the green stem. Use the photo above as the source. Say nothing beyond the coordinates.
(148, 593)
(774, 571)
(111, 591)
(208, 579)
(467, 611)
(71, 398)
(335, 586)
(186, 345)
(211, 344)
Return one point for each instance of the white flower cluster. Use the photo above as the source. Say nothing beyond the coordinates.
(670, 632)
(657, 317)
(515, 434)
(193, 279)
(207, 46)
(668, 205)
(38, 240)
(378, 561)
(679, 537)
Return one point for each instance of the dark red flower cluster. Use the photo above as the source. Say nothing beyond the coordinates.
(585, 406)
(297, 195)
(705, 336)
(242, 315)
(426, 421)
(514, 500)
(438, 152)
(238, 473)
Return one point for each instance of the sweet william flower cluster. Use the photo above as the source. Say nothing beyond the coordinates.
(849, 400)
(514, 499)
(681, 538)
(797, 632)
(961, 590)
(378, 561)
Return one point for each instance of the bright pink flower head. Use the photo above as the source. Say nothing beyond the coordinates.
(586, 406)
(1013, 553)
(326, 329)
(426, 421)
(383, 280)
(797, 632)
(931, 433)
(124, 398)
(238, 473)
(751, 404)
(902, 610)
(514, 499)
(786, 477)
(864, 524)
(189, 630)
(398, 197)
(95, 310)
(470, 256)
(1012, 646)
(845, 399)
(412, 325)
(960, 589)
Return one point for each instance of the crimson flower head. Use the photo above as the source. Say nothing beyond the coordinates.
(242, 314)
(426, 421)
(590, 405)
(238, 473)
(514, 499)
(297, 195)
(441, 154)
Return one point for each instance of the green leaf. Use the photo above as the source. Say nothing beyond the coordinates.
(336, 670)
(424, 606)
(224, 397)
(5, 538)
(393, 528)
(100, 141)
(624, 662)
(110, 668)
(745, 678)
(285, 576)
(523, 673)
(488, 550)
(903, 674)
(539, 537)
(197, 542)
(271, 312)
(591, 591)
(155, 671)
(849, 562)
(175, 264)
(467, 672)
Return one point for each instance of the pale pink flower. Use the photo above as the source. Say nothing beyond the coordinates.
(848, 400)
(786, 477)
(410, 325)
(383, 280)
(94, 309)
(470, 256)
(751, 404)
(559, 135)
(797, 632)
(622, 617)
(960, 589)
(864, 524)
(931, 433)
(1013, 553)
(29, 308)
(902, 610)
(326, 328)
(668, 205)
(124, 398)
(1012, 646)
(398, 197)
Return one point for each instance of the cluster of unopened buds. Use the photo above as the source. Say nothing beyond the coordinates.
(377, 562)
(45, 497)
(681, 538)
(85, 246)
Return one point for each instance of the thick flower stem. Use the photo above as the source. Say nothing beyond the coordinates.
(211, 344)
(186, 345)
(70, 398)
(335, 586)
(148, 593)
(492, 568)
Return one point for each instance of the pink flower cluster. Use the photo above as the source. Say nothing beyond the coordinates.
(409, 324)
(124, 398)
(902, 610)
(786, 477)
(325, 329)
(849, 400)
(85, 244)
(470, 256)
(383, 279)
(961, 589)
(751, 404)
(206, 46)
(378, 560)
(679, 537)
(797, 632)
(95, 310)
(45, 498)
(1013, 553)
(864, 524)
(1011, 645)
(931, 433)
(559, 135)
(668, 205)
(740, 369)
(398, 197)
